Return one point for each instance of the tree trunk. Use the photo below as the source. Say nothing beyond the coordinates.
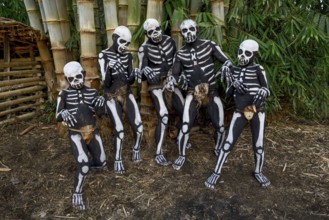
(217, 9)
(154, 9)
(143, 10)
(56, 38)
(34, 16)
(65, 25)
(88, 57)
(43, 16)
(194, 8)
(123, 12)
(133, 21)
(175, 30)
(111, 19)
(45, 54)
(99, 22)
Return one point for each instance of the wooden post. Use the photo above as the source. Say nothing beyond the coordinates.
(6, 59)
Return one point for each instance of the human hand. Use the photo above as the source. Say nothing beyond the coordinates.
(98, 101)
(182, 82)
(68, 118)
(117, 66)
(239, 86)
(150, 75)
(137, 73)
(260, 97)
(170, 84)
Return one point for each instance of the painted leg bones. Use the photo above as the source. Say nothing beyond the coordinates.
(247, 83)
(77, 107)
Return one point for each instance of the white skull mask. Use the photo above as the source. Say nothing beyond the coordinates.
(153, 30)
(74, 74)
(188, 30)
(247, 52)
(124, 38)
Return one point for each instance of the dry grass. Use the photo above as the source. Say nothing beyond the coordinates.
(40, 181)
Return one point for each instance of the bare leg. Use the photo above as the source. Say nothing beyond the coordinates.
(115, 111)
(257, 129)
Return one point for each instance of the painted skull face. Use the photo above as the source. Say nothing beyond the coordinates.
(74, 74)
(153, 30)
(188, 30)
(124, 38)
(247, 51)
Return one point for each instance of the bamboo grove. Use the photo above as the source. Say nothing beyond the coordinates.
(293, 38)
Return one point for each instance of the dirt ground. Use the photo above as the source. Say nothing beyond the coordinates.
(40, 181)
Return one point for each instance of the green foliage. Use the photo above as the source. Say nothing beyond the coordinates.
(14, 9)
(294, 49)
(293, 39)
(48, 111)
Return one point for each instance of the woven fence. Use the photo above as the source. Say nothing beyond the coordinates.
(22, 90)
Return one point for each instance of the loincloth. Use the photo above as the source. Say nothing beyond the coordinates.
(161, 85)
(86, 132)
(200, 93)
(119, 95)
(248, 111)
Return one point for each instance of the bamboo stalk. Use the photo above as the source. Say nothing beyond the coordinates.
(72, 12)
(20, 108)
(76, 14)
(48, 66)
(26, 130)
(143, 9)
(154, 9)
(65, 25)
(111, 19)
(88, 58)
(56, 39)
(34, 16)
(16, 119)
(133, 21)
(194, 8)
(18, 81)
(175, 29)
(123, 12)
(22, 85)
(8, 94)
(16, 64)
(63, 19)
(99, 22)
(21, 100)
(43, 16)
(217, 9)
(20, 73)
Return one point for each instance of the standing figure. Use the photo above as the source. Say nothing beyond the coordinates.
(118, 74)
(248, 85)
(196, 58)
(155, 60)
(76, 108)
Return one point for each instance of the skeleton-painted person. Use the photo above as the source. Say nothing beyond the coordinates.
(118, 74)
(248, 85)
(197, 59)
(155, 60)
(77, 107)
